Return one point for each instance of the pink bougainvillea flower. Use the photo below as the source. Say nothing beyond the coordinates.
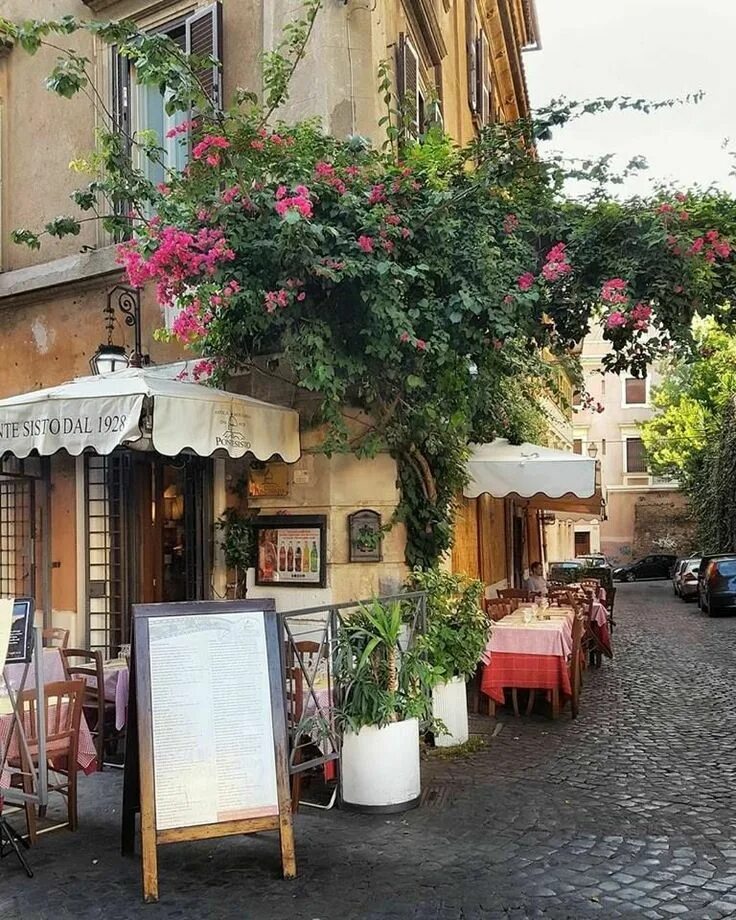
(525, 281)
(421, 345)
(301, 295)
(377, 194)
(510, 223)
(509, 298)
(681, 196)
(393, 219)
(678, 289)
(274, 299)
(405, 232)
(163, 188)
(323, 169)
(640, 316)
(404, 337)
(722, 248)
(613, 291)
(388, 245)
(615, 320)
(203, 368)
(696, 246)
(683, 215)
(665, 209)
(365, 243)
(557, 253)
(210, 143)
(276, 139)
(299, 201)
(180, 129)
(257, 145)
(230, 194)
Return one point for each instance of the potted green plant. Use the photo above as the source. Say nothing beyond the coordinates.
(385, 695)
(457, 632)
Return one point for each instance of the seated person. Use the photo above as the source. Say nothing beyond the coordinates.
(536, 583)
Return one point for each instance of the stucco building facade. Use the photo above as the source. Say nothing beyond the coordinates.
(461, 62)
(644, 513)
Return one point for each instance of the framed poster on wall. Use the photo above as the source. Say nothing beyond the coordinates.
(291, 550)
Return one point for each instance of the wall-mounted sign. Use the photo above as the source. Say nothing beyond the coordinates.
(268, 481)
(291, 550)
(366, 536)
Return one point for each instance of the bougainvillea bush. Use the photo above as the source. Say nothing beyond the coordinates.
(414, 280)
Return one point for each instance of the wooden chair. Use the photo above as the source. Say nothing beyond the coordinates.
(497, 608)
(63, 716)
(97, 711)
(55, 637)
(518, 593)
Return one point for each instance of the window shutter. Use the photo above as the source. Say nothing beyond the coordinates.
(484, 94)
(204, 38)
(121, 89)
(408, 79)
(472, 56)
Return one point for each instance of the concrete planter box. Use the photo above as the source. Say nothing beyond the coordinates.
(450, 705)
(380, 768)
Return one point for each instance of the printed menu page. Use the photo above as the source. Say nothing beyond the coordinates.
(212, 729)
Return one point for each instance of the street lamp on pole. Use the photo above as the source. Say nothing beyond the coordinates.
(109, 358)
(592, 450)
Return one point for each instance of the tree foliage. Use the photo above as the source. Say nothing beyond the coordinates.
(416, 281)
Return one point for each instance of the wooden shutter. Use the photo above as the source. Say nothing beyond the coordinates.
(472, 55)
(408, 79)
(484, 93)
(121, 90)
(204, 37)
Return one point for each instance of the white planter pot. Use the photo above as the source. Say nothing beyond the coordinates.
(450, 705)
(380, 768)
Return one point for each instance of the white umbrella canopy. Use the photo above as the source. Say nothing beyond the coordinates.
(548, 478)
(146, 408)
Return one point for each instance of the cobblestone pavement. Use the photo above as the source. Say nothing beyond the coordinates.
(626, 812)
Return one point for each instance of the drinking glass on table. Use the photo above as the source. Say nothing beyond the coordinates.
(528, 615)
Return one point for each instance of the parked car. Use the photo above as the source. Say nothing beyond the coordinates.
(719, 586)
(560, 571)
(594, 559)
(705, 561)
(685, 577)
(656, 565)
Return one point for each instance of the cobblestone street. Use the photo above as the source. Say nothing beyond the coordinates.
(626, 812)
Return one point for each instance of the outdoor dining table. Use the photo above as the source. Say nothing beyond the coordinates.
(53, 671)
(529, 655)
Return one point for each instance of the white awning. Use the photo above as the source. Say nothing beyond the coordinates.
(544, 477)
(146, 408)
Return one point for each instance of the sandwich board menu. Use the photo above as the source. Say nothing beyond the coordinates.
(211, 752)
(20, 643)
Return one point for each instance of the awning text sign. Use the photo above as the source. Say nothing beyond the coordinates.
(74, 425)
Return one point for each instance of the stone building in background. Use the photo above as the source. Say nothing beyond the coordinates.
(644, 513)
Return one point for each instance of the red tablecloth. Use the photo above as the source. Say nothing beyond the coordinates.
(512, 669)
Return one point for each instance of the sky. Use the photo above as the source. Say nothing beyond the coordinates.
(655, 49)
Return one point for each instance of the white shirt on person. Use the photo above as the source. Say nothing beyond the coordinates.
(536, 584)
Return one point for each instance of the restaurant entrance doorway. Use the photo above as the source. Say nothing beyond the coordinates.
(149, 532)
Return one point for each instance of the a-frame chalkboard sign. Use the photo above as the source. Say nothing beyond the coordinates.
(207, 741)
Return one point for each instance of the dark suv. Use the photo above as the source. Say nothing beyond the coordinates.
(656, 565)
